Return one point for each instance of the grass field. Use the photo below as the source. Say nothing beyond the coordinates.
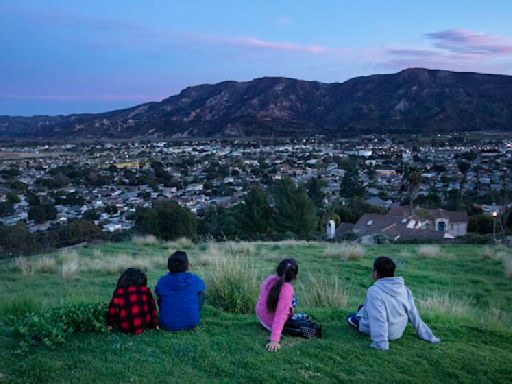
(464, 293)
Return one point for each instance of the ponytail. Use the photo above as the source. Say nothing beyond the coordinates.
(287, 271)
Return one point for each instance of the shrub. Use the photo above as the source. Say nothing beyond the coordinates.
(324, 291)
(16, 309)
(346, 251)
(70, 265)
(182, 243)
(443, 303)
(145, 240)
(28, 267)
(242, 248)
(488, 252)
(232, 285)
(507, 264)
(430, 251)
(210, 256)
(23, 265)
(51, 328)
(45, 264)
(114, 265)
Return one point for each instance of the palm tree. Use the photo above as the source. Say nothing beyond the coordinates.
(413, 186)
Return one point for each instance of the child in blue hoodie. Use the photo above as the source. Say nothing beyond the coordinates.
(180, 295)
(388, 307)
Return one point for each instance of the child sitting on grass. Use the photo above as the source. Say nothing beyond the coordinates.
(274, 308)
(180, 295)
(388, 307)
(132, 308)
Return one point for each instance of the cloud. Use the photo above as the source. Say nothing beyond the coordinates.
(104, 97)
(467, 42)
(128, 33)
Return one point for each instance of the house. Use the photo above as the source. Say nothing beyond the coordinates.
(401, 223)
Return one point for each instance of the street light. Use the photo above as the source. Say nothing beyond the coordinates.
(494, 215)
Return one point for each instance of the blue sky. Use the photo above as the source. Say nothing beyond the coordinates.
(59, 57)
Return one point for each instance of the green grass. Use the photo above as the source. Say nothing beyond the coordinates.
(469, 302)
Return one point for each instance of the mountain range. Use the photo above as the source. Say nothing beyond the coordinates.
(415, 100)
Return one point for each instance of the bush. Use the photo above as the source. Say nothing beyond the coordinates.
(70, 265)
(18, 308)
(429, 251)
(232, 286)
(323, 292)
(346, 251)
(145, 240)
(444, 303)
(507, 264)
(167, 220)
(475, 238)
(52, 327)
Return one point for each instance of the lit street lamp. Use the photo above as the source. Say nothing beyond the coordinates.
(494, 215)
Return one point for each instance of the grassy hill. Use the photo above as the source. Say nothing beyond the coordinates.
(463, 293)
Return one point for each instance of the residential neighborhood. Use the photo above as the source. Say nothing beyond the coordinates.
(106, 182)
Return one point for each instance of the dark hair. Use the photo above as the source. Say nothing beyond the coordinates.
(177, 262)
(384, 266)
(287, 271)
(132, 277)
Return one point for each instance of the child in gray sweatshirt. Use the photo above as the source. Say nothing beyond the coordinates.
(388, 307)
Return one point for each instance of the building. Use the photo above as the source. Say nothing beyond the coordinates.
(401, 223)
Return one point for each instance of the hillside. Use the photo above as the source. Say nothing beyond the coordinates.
(413, 100)
(462, 291)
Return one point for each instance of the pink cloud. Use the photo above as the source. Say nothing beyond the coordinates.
(467, 42)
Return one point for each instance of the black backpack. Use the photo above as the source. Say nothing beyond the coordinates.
(305, 326)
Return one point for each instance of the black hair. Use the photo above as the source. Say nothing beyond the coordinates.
(384, 266)
(287, 271)
(178, 262)
(132, 277)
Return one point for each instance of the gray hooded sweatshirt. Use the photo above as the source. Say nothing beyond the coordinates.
(388, 307)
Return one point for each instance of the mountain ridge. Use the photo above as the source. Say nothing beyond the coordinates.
(412, 100)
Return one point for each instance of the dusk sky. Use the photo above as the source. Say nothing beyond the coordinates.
(59, 57)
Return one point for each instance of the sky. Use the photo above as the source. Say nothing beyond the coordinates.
(61, 57)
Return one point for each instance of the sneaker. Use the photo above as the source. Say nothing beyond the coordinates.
(353, 321)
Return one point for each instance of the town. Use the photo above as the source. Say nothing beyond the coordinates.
(43, 186)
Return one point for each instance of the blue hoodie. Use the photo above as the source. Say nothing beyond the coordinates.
(179, 301)
(388, 307)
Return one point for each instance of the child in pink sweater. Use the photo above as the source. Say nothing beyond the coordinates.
(275, 303)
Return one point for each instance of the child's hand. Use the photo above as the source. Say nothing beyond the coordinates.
(157, 327)
(109, 328)
(273, 346)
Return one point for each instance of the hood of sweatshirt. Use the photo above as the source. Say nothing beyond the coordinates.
(176, 281)
(392, 286)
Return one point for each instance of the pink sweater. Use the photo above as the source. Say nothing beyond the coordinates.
(274, 321)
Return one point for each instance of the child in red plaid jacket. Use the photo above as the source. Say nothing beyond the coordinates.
(132, 308)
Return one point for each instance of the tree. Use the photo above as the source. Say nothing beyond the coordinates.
(32, 198)
(314, 187)
(413, 186)
(167, 220)
(42, 213)
(255, 214)
(12, 198)
(6, 208)
(16, 240)
(91, 214)
(296, 213)
(110, 209)
(480, 224)
(351, 185)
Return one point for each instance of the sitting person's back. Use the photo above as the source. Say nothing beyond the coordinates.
(180, 295)
(132, 308)
(388, 307)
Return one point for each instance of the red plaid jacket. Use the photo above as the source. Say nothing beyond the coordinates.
(132, 310)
